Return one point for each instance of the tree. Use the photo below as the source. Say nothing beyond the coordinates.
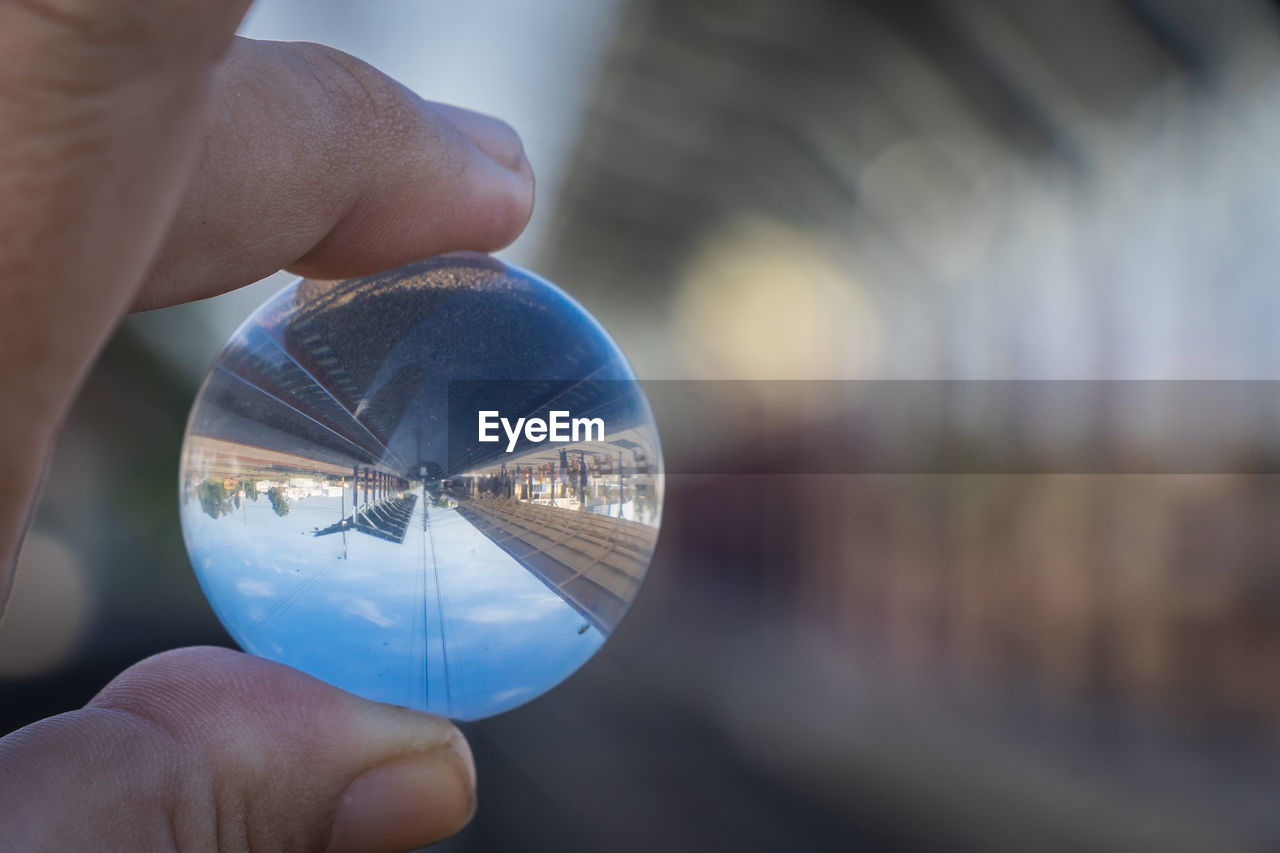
(279, 501)
(213, 497)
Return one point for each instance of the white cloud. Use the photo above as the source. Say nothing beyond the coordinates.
(368, 610)
(255, 588)
(527, 608)
(513, 693)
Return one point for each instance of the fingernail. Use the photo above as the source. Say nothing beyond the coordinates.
(492, 136)
(406, 803)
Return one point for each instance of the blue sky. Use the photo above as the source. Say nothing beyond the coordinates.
(372, 623)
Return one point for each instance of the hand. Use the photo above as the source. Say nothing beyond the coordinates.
(147, 156)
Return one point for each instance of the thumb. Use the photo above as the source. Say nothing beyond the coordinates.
(206, 747)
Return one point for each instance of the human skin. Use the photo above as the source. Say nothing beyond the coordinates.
(149, 157)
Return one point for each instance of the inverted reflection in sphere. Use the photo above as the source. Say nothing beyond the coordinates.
(438, 487)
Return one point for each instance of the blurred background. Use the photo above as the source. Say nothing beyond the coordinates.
(937, 658)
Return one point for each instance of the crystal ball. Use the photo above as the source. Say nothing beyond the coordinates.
(439, 486)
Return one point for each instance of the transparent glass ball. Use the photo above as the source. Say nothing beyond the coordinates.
(438, 487)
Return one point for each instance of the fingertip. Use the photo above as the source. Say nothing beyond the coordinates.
(485, 208)
(408, 802)
(490, 134)
(487, 201)
(499, 210)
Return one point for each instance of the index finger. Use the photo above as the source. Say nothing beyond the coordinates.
(316, 162)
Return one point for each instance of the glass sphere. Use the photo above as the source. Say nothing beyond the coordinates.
(438, 487)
